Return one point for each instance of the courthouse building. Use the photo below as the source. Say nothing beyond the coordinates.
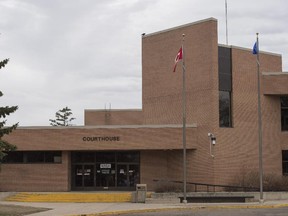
(116, 149)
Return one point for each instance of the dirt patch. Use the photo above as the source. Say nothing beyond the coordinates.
(15, 210)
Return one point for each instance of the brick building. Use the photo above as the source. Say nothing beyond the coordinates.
(115, 149)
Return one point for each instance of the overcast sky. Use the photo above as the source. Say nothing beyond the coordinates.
(85, 54)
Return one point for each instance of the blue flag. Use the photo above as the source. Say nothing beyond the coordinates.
(255, 49)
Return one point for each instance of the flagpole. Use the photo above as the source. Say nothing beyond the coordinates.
(184, 123)
(226, 19)
(261, 200)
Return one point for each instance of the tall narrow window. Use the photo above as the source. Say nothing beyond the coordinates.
(225, 86)
(284, 113)
(285, 162)
(225, 109)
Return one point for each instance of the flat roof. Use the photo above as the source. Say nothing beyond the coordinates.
(181, 26)
(107, 127)
(113, 110)
(275, 73)
(248, 49)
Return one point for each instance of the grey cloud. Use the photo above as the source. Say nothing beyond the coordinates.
(83, 54)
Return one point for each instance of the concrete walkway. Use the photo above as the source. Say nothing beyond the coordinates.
(90, 209)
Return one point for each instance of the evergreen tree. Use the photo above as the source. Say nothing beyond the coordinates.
(5, 147)
(62, 118)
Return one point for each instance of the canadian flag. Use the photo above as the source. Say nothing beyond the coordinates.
(178, 58)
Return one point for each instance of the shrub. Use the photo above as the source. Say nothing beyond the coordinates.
(166, 186)
(271, 182)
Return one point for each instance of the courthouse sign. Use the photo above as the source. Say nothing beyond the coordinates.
(101, 139)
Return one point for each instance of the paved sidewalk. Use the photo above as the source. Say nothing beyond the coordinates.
(77, 209)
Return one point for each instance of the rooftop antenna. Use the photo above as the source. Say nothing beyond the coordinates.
(107, 111)
(226, 22)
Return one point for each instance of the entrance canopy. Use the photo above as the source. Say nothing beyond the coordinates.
(132, 137)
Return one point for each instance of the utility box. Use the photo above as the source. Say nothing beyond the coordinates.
(141, 190)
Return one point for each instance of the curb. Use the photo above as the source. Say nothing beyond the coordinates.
(133, 211)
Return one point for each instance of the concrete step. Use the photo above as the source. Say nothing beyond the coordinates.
(162, 200)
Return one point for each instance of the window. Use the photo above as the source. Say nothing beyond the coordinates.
(285, 162)
(225, 86)
(225, 109)
(284, 113)
(105, 157)
(53, 157)
(81, 157)
(225, 68)
(128, 157)
(14, 157)
(33, 157)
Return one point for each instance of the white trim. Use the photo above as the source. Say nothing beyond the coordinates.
(274, 73)
(106, 126)
(249, 50)
(181, 26)
(113, 110)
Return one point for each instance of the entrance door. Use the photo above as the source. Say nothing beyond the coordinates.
(127, 175)
(84, 175)
(105, 175)
(105, 170)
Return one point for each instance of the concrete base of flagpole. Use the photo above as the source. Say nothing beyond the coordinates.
(184, 201)
(261, 201)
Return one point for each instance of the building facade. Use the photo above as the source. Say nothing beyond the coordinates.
(116, 149)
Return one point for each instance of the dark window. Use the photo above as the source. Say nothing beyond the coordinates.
(128, 157)
(83, 157)
(76, 157)
(284, 113)
(225, 69)
(89, 157)
(53, 157)
(225, 86)
(34, 157)
(225, 109)
(14, 157)
(285, 162)
(105, 157)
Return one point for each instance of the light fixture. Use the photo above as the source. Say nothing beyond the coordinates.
(212, 142)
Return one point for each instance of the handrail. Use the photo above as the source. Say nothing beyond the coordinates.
(210, 185)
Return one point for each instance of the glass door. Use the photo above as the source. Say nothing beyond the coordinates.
(105, 175)
(84, 175)
(78, 175)
(122, 175)
(105, 170)
(133, 175)
(88, 175)
(127, 175)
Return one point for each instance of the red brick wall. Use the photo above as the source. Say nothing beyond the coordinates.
(130, 138)
(153, 165)
(275, 83)
(113, 117)
(162, 89)
(237, 147)
(36, 177)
